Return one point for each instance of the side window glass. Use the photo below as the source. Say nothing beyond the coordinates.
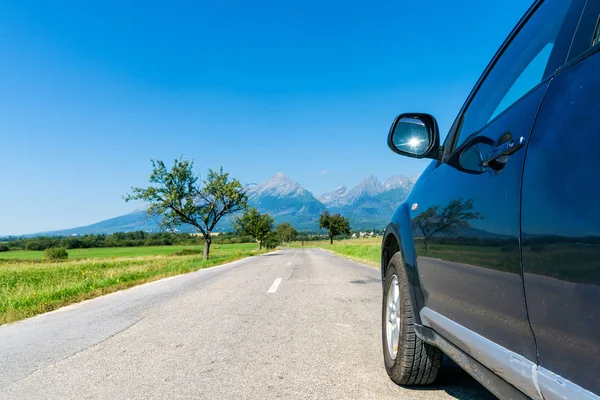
(596, 38)
(531, 76)
(520, 68)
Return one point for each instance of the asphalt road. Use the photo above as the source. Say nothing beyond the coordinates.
(295, 324)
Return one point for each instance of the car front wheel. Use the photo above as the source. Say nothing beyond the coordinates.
(408, 360)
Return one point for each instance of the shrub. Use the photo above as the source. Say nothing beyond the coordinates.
(3, 247)
(187, 252)
(56, 253)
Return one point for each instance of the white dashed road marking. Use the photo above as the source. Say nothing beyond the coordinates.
(274, 286)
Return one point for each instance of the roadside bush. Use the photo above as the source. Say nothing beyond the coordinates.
(56, 253)
(187, 252)
(3, 247)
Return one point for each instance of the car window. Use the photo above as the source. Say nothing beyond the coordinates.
(521, 67)
(531, 76)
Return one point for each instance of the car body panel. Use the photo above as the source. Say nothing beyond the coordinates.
(471, 273)
(561, 226)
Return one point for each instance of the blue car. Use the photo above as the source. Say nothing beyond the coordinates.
(494, 258)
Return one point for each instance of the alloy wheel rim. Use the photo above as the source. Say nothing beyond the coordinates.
(392, 321)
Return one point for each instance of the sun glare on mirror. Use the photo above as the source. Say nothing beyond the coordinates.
(414, 142)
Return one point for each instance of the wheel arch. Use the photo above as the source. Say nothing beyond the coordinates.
(390, 246)
(398, 237)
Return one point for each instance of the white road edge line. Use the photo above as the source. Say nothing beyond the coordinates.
(274, 286)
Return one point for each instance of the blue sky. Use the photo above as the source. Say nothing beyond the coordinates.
(92, 90)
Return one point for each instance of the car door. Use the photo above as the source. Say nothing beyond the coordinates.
(561, 223)
(465, 210)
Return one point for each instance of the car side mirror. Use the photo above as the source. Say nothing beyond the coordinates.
(415, 135)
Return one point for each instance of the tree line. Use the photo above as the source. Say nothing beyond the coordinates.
(260, 227)
(119, 239)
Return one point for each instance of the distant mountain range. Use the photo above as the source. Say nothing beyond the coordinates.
(370, 204)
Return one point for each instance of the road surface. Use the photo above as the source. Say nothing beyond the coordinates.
(294, 324)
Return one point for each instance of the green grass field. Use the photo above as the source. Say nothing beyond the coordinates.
(30, 287)
(116, 252)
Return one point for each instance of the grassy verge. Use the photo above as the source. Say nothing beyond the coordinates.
(366, 251)
(30, 287)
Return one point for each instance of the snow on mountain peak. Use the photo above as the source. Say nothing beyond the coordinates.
(333, 196)
(278, 185)
(396, 181)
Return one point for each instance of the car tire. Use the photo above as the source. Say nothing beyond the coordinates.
(411, 361)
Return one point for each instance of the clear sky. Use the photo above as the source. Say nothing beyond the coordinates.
(90, 91)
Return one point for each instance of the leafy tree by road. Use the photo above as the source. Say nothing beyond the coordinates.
(286, 232)
(177, 197)
(255, 224)
(272, 240)
(456, 214)
(335, 224)
(303, 237)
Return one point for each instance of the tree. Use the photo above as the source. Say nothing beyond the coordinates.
(286, 232)
(335, 224)
(35, 245)
(303, 237)
(456, 214)
(255, 224)
(177, 197)
(272, 240)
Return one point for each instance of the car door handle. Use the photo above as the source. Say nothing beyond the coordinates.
(505, 149)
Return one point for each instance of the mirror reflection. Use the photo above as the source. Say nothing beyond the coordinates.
(411, 136)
